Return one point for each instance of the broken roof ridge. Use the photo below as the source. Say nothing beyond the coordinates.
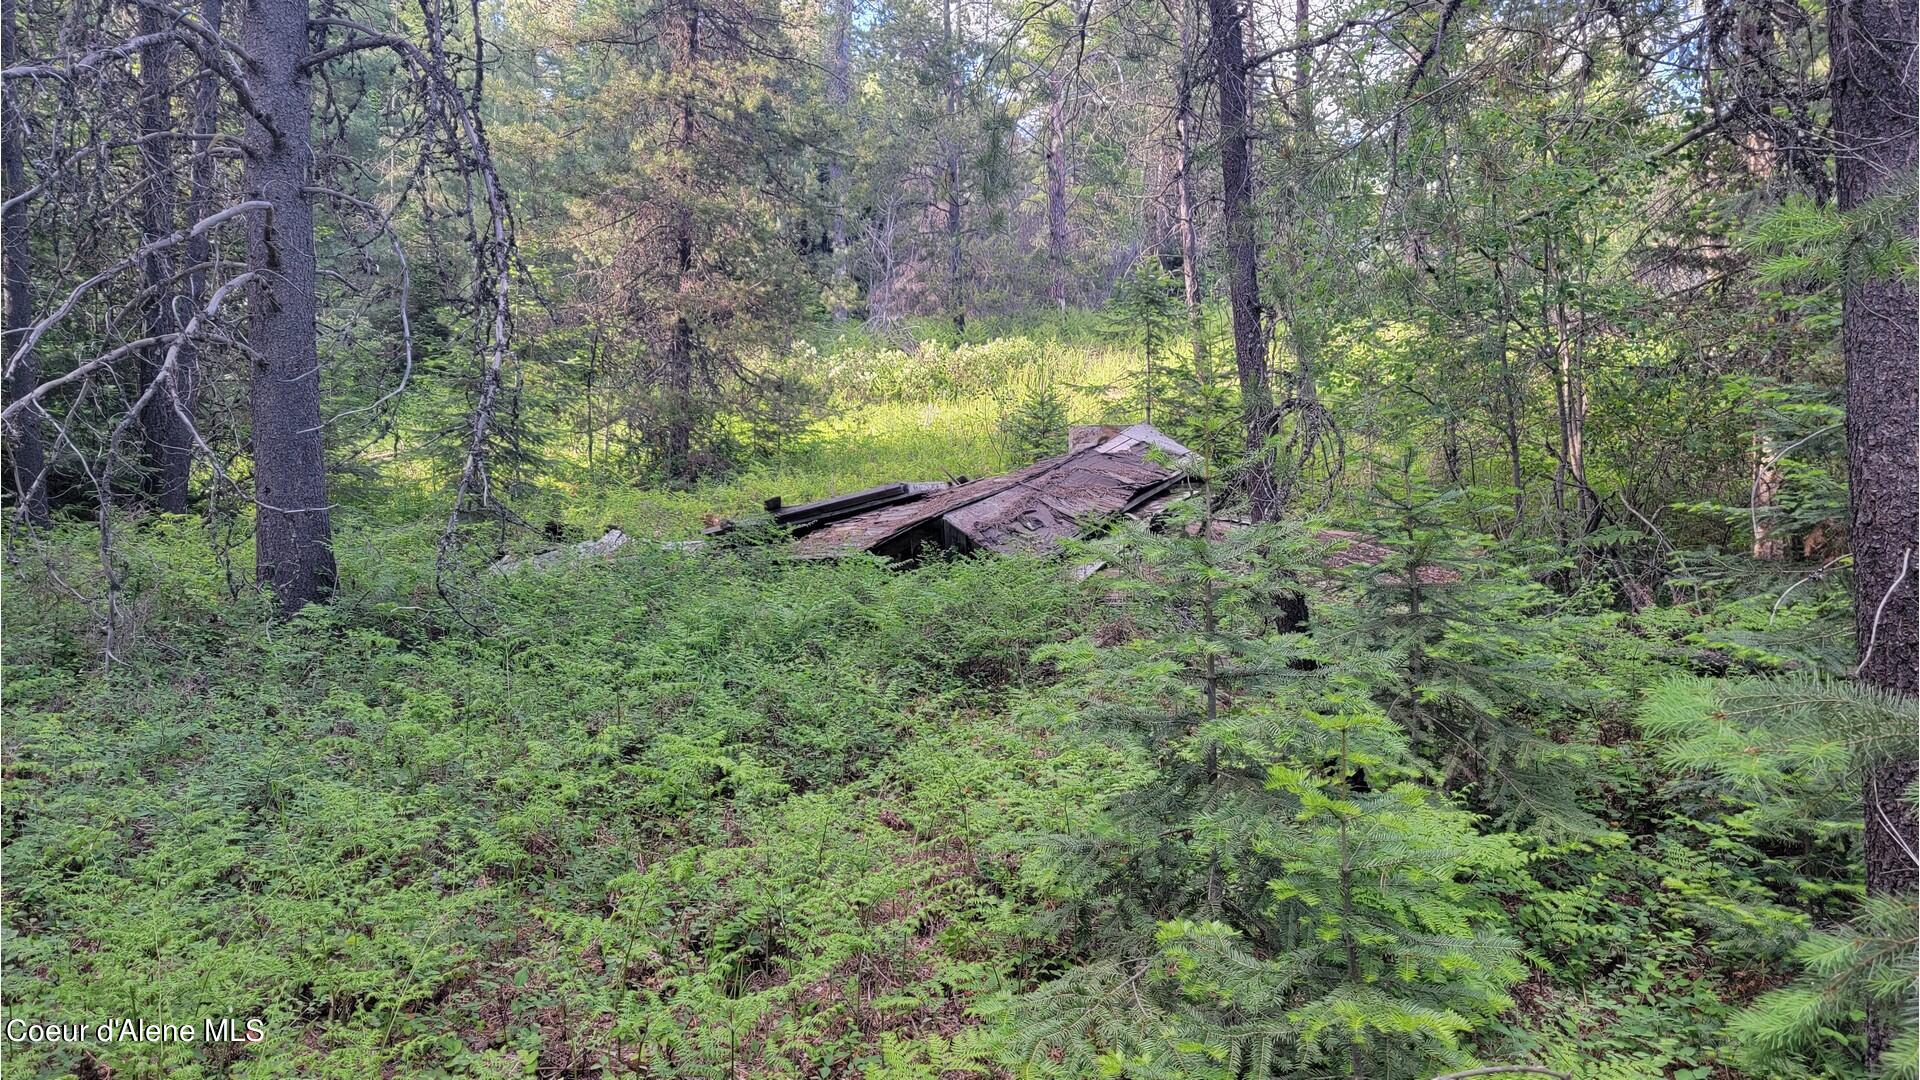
(1146, 433)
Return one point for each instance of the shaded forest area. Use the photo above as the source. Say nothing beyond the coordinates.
(1520, 681)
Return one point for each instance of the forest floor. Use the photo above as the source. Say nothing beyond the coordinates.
(685, 814)
(708, 805)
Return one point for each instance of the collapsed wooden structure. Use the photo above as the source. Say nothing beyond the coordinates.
(1106, 472)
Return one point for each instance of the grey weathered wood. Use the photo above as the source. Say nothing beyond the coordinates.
(857, 500)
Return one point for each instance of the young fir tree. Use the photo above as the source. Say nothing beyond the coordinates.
(1037, 426)
(1147, 308)
(687, 186)
(1476, 676)
(1281, 887)
(1784, 758)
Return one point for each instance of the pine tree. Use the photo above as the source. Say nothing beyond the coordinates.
(1786, 757)
(1474, 678)
(1283, 887)
(1147, 305)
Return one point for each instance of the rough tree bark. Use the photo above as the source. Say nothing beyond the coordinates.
(1189, 242)
(839, 87)
(1229, 48)
(293, 532)
(26, 458)
(1183, 124)
(956, 281)
(680, 345)
(1874, 89)
(167, 445)
(1768, 545)
(1057, 187)
(199, 248)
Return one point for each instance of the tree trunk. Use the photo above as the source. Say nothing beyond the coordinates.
(1057, 188)
(1510, 400)
(956, 283)
(1874, 88)
(1767, 544)
(1189, 242)
(593, 360)
(880, 298)
(1574, 431)
(1510, 429)
(1243, 287)
(293, 534)
(167, 444)
(25, 479)
(1750, 95)
(1302, 72)
(199, 249)
(1302, 228)
(839, 88)
(679, 461)
(680, 346)
(1570, 402)
(1189, 235)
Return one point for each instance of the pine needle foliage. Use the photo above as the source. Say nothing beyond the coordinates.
(1145, 308)
(1813, 1025)
(1476, 671)
(1287, 891)
(1037, 426)
(1811, 243)
(1785, 755)
(1792, 744)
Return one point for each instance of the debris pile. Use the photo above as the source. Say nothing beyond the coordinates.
(1107, 472)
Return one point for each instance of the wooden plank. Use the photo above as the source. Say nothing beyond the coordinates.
(853, 501)
(1035, 506)
(1144, 435)
(814, 515)
(1055, 503)
(873, 529)
(1018, 519)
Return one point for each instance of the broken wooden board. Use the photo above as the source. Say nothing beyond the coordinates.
(897, 532)
(808, 517)
(1030, 509)
(1047, 507)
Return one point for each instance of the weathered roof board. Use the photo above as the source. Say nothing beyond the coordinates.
(1031, 508)
(1144, 436)
(836, 504)
(895, 531)
(1038, 512)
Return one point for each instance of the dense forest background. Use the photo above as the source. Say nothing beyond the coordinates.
(1593, 322)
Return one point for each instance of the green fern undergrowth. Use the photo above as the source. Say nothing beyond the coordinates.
(717, 814)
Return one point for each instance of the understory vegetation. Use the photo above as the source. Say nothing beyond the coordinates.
(714, 813)
(615, 538)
